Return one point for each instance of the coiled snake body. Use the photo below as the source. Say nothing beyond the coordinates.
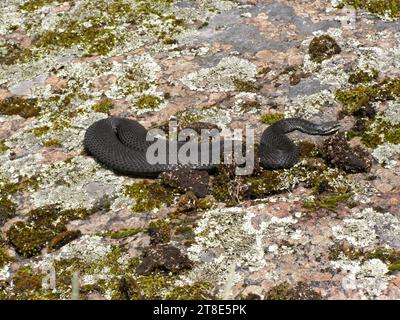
(120, 144)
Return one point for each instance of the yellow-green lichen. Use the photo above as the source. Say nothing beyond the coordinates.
(271, 118)
(148, 196)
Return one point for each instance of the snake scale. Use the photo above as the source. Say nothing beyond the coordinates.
(120, 144)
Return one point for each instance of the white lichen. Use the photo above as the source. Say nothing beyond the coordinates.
(369, 227)
(387, 154)
(222, 77)
(370, 278)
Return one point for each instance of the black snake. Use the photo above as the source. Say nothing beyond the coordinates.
(120, 144)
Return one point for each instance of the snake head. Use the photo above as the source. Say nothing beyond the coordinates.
(327, 128)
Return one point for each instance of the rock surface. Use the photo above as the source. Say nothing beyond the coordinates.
(327, 228)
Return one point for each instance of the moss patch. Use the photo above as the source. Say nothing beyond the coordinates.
(379, 7)
(363, 76)
(148, 102)
(322, 48)
(284, 291)
(245, 86)
(7, 205)
(377, 132)
(329, 202)
(271, 118)
(63, 238)
(149, 196)
(359, 96)
(4, 256)
(25, 108)
(43, 224)
(52, 143)
(103, 106)
(269, 182)
(123, 233)
(33, 5)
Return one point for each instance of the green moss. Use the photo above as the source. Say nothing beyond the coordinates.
(25, 108)
(271, 118)
(28, 285)
(380, 132)
(269, 182)
(359, 96)
(394, 266)
(29, 239)
(43, 224)
(33, 5)
(52, 143)
(108, 265)
(377, 132)
(329, 201)
(221, 186)
(149, 196)
(363, 76)
(123, 233)
(148, 102)
(308, 149)
(205, 203)
(153, 285)
(285, 291)
(245, 86)
(379, 7)
(322, 48)
(7, 206)
(103, 106)
(63, 238)
(5, 258)
(95, 39)
(102, 31)
(3, 147)
(40, 131)
(162, 229)
(196, 291)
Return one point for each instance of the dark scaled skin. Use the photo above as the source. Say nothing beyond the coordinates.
(120, 144)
